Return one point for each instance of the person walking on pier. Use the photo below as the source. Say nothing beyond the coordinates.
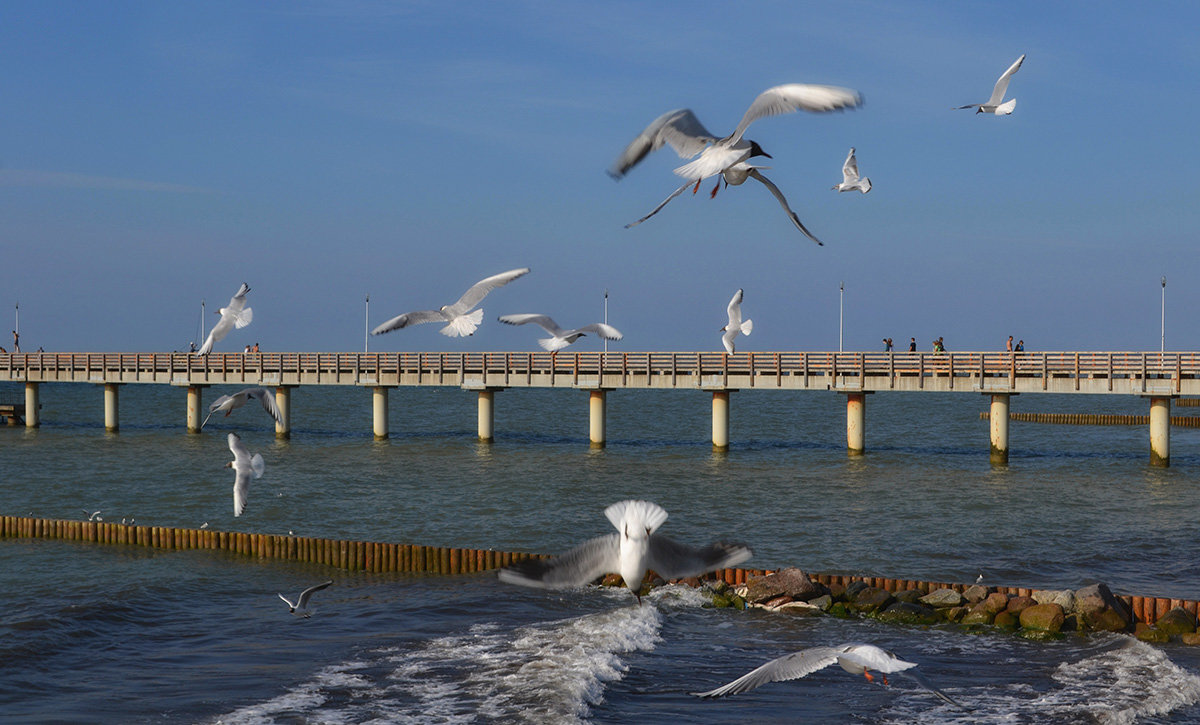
(1020, 346)
(887, 344)
(912, 344)
(16, 341)
(1010, 343)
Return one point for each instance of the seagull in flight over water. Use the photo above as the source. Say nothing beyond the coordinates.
(230, 403)
(629, 553)
(736, 326)
(857, 659)
(850, 178)
(300, 606)
(462, 321)
(728, 156)
(993, 104)
(237, 314)
(244, 466)
(560, 338)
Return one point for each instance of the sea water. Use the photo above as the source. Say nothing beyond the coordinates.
(119, 634)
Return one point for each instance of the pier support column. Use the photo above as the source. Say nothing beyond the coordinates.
(33, 418)
(487, 415)
(283, 400)
(112, 421)
(998, 420)
(856, 422)
(1160, 431)
(597, 426)
(720, 420)
(379, 398)
(194, 421)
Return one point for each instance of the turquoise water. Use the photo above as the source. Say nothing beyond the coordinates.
(119, 635)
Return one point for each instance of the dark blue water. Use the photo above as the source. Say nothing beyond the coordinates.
(118, 634)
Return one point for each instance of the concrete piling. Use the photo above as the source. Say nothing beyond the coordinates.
(720, 420)
(283, 399)
(379, 399)
(487, 415)
(998, 419)
(1160, 431)
(194, 411)
(597, 424)
(33, 417)
(856, 422)
(112, 421)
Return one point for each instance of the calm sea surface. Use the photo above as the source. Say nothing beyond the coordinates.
(120, 634)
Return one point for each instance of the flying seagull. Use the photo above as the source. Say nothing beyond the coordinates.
(628, 553)
(462, 321)
(857, 659)
(244, 466)
(850, 178)
(728, 156)
(993, 104)
(736, 326)
(230, 403)
(560, 338)
(237, 314)
(300, 607)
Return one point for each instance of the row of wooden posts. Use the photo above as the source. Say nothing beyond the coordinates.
(380, 557)
(1177, 421)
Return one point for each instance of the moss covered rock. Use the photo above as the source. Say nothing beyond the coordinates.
(908, 613)
(1042, 617)
(1177, 621)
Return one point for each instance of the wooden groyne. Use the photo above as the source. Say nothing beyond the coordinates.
(368, 556)
(1181, 421)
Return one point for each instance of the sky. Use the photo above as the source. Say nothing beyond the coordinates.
(156, 155)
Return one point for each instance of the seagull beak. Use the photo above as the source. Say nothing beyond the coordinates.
(769, 156)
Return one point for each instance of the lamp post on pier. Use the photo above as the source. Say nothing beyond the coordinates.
(367, 322)
(841, 298)
(1162, 330)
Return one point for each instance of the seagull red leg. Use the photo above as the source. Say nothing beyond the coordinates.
(697, 186)
(716, 187)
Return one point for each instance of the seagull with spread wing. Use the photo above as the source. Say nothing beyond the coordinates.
(850, 178)
(230, 403)
(560, 338)
(995, 104)
(461, 320)
(237, 314)
(244, 467)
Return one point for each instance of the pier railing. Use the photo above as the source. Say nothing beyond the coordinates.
(1090, 372)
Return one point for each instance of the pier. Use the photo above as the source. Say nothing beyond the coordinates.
(1156, 376)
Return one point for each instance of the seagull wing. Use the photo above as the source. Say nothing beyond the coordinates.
(265, 397)
(850, 169)
(543, 321)
(579, 566)
(305, 595)
(287, 602)
(672, 560)
(796, 97)
(679, 128)
(608, 332)
(788, 667)
(242, 468)
(920, 680)
(219, 331)
(408, 319)
(1001, 86)
(735, 312)
(658, 208)
(783, 202)
(713, 161)
(479, 290)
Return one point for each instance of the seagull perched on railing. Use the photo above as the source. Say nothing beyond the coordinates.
(237, 314)
(230, 403)
(462, 321)
(850, 178)
(857, 659)
(728, 156)
(629, 553)
(560, 338)
(993, 104)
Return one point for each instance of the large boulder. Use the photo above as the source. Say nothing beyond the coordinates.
(981, 613)
(1176, 621)
(1042, 617)
(1064, 598)
(909, 613)
(975, 593)
(1018, 604)
(870, 600)
(996, 602)
(791, 583)
(942, 598)
(1099, 609)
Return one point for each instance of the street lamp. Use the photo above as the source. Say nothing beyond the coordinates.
(367, 322)
(841, 298)
(606, 316)
(1162, 330)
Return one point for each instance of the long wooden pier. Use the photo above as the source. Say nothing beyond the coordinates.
(1158, 376)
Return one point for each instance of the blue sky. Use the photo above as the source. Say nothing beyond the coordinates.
(156, 154)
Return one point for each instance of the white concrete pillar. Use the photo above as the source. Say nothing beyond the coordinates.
(596, 418)
(283, 399)
(998, 420)
(487, 415)
(720, 420)
(194, 419)
(856, 421)
(379, 397)
(1160, 431)
(33, 417)
(112, 421)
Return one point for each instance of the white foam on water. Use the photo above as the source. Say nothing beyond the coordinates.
(304, 699)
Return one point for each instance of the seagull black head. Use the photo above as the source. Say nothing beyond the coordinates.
(756, 150)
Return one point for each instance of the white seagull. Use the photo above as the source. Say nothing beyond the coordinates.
(993, 104)
(300, 606)
(237, 314)
(850, 178)
(727, 156)
(857, 659)
(462, 321)
(560, 338)
(244, 466)
(736, 326)
(628, 553)
(230, 403)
